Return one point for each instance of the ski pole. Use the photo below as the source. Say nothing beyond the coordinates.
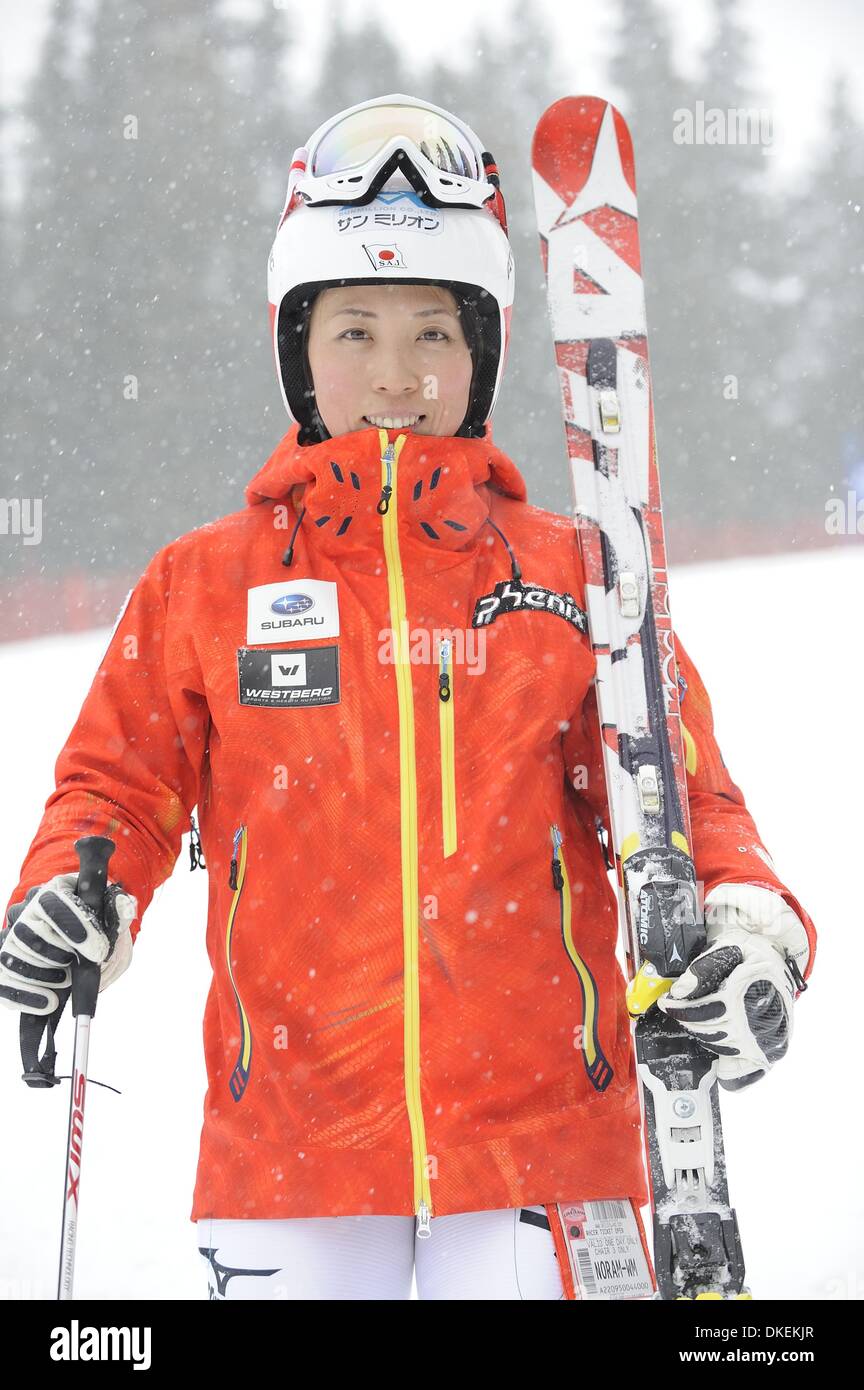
(93, 852)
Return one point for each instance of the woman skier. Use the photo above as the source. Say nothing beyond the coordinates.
(374, 683)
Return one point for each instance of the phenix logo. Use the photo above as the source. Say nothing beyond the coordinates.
(76, 1343)
(511, 596)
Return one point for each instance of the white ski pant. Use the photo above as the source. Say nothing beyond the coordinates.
(473, 1255)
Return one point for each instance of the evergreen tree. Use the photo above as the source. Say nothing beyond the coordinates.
(699, 203)
(820, 281)
(520, 73)
(50, 273)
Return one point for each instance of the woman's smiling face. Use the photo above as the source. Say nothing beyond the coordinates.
(389, 352)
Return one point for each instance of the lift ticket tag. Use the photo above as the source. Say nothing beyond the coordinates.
(604, 1246)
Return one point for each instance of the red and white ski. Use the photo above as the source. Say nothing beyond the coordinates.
(587, 218)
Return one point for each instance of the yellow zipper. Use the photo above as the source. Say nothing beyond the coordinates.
(446, 718)
(387, 510)
(236, 878)
(599, 1071)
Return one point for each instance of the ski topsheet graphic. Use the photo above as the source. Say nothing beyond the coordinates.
(587, 218)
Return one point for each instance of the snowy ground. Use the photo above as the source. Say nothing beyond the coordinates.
(770, 637)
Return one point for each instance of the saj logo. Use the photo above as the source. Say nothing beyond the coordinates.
(385, 257)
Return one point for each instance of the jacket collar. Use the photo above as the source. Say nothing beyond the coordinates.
(438, 485)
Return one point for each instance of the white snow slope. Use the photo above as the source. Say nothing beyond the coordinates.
(779, 647)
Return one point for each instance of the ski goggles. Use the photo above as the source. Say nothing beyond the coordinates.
(350, 158)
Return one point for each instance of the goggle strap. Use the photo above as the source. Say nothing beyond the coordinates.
(490, 168)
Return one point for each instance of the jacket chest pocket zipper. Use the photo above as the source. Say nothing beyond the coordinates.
(446, 727)
(599, 1071)
(236, 879)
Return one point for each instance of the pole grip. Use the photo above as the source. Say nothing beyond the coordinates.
(93, 852)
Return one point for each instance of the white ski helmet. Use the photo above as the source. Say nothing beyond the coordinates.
(392, 190)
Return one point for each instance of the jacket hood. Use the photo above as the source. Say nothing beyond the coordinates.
(442, 485)
(292, 463)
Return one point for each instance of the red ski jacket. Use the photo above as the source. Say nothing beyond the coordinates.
(392, 745)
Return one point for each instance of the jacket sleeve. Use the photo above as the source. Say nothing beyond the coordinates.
(726, 845)
(131, 767)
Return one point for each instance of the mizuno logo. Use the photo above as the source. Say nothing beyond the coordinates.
(222, 1273)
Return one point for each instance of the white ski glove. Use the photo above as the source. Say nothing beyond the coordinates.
(46, 933)
(736, 997)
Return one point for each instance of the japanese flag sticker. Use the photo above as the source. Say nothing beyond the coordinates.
(385, 257)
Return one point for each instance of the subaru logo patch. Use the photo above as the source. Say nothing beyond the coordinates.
(292, 603)
(275, 613)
